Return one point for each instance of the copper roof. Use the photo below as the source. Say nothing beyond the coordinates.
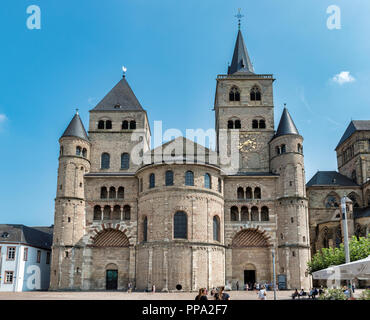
(250, 238)
(110, 238)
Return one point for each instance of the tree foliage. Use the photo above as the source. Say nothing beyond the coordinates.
(326, 257)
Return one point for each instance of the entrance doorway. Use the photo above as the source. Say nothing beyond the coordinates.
(111, 279)
(249, 277)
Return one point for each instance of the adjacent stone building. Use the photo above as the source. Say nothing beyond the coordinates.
(176, 218)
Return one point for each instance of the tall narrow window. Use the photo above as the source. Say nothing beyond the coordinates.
(78, 151)
(237, 124)
(132, 124)
(127, 212)
(125, 161)
(244, 214)
(230, 124)
(97, 213)
(152, 180)
(283, 148)
(234, 213)
(106, 213)
(84, 152)
(189, 178)
(207, 181)
(101, 124)
(121, 193)
(234, 94)
(38, 258)
(255, 94)
(240, 193)
(264, 214)
(248, 193)
(108, 124)
(105, 161)
(112, 193)
(216, 228)
(145, 229)
(262, 124)
(25, 254)
(254, 214)
(116, 213)
(219, 185)
(255, 124)
(47, 257)
(124, 125)
(257, 193)
(10, 253)
(169, 178)
(103, 193)
(180, 225)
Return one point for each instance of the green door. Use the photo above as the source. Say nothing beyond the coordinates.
(111, 279)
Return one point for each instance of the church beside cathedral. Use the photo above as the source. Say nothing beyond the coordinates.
(182, 225)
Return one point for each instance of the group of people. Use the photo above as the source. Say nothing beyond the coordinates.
(253, 286)
(217, 294)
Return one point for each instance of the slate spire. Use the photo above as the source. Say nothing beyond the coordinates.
(241, 62)
(286, 125)
(76, 128)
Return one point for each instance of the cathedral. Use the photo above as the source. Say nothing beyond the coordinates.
(178, 218)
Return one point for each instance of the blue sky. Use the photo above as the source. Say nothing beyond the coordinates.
(173, 51)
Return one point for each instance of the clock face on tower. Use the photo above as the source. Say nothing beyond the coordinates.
(248, 143)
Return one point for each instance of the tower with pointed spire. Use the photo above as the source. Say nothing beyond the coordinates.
(69, 217)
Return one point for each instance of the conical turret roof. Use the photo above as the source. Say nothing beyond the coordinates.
(241, 62)
(286, 125)
(76, 129)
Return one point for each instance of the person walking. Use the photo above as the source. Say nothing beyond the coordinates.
(202, 294)
(221, 295)
(262, 293)
(129, 287)
(237, 286)
(153, 288)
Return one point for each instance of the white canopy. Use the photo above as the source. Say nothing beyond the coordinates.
(359, 269)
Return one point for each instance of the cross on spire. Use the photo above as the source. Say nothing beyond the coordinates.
(239, 16)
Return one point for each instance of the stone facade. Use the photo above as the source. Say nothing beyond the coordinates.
(119, 222)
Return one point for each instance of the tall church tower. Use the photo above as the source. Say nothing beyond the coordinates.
(287, 161)
(69, 219)
(244, 101)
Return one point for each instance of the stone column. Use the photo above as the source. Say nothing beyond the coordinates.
(131, 267)
(228, 265)
(86, 269)
(150, 268)
(165, 269)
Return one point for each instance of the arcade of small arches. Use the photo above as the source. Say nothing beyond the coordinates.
(80, 152)
(256, 124)
(126, 125)
(112, 193)
(282, 149)
(247, 213)
(115, 212)
(249, 193)
(254, 94)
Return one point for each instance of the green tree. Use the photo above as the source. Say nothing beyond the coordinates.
(326, 257)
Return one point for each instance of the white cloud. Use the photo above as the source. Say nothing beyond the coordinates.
(2, 117)
(343, 77)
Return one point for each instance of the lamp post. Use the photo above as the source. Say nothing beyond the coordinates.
(274, 272)
(345, 237)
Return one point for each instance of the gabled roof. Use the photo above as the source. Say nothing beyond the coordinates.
(286, 125)
(330, 178)
(120, 98)
(76, 129)
(355, 125)
(241, 62)
(19, 233)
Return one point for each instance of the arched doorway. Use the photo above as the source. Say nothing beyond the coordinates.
(250, 275)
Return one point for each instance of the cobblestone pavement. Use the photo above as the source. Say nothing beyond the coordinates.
(116, 295)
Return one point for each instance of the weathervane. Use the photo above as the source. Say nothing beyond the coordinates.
(124, 69)
(239, 16)
(76, 110)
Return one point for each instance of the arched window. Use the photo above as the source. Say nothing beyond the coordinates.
(234, 213)
(238, 124)
(127, 212)
(189, 178)
(116, 213)
(101, 124)
(255, 94)
(262, 124)
(84, 152)
(78, 151)
(254, 214)
(254, 124)
(105, 161)
(244, 214)
(240, 193)
(283, 148)
(299, 148)
(234, 94)
(216, 228)
(257, 193)
(103, 193)
(61, 150)
(169, 178)
(332, 201)
(180, 225)
(121, 193)
(106, 213)
(124, 125)
(219, 185)
(248, 193)
(353, 196)
(278, 150)
(97, 213)
(132, 124)
(207, 181)
(230, 124)
(152, 180)
(264, 214)
(145, 229)
(112, 193)
(125, 161)
(108, 124)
